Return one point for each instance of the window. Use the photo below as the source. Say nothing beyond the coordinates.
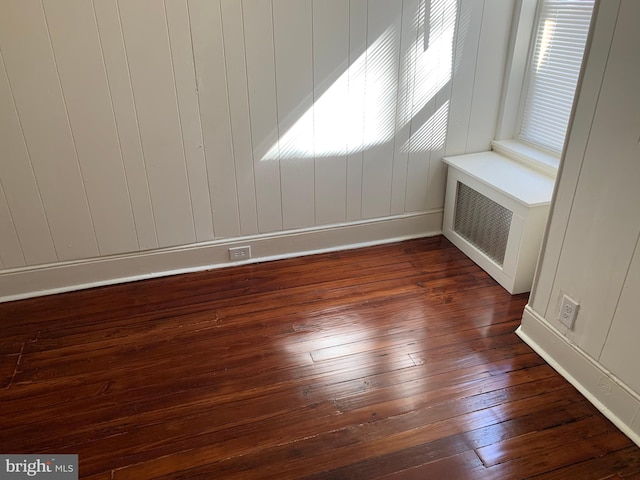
(552, 74)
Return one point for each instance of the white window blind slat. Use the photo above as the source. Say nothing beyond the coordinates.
(553, 73)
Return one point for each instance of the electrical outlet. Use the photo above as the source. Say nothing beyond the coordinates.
(568, 312)
(240, 253)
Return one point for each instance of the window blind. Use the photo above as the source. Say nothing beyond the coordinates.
(560, 40)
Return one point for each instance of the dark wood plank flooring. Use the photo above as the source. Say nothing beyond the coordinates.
(392, 362)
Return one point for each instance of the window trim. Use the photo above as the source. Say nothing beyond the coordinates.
(521, 44)
(529, 155)
(520, 40)
(528, 125)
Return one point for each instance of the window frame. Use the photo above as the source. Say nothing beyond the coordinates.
(515, 83)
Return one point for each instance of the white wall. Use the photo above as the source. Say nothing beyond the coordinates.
(135, 126)
(591, 251)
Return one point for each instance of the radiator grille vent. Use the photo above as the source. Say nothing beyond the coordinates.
(482, 222)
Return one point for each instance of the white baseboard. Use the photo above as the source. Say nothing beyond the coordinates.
(20, 283)
(603, 389)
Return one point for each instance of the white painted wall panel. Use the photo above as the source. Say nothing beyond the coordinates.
(468, 28)
(356, 104)
(413, 18)
(437, 176)
(189, 112)
(261, 84)
(330, 113)
(186, 121)
(620, 352)
(208, 50)
(487, 86)
(117, 68)
(292, 21)
(383, 52)
(20, 188)
(10, 252)
(444, 24)
(87, 98)
(432, 90)
(236, 67)
(32, 72)
(146, 38)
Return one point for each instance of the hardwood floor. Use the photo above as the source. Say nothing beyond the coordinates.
(391, 362)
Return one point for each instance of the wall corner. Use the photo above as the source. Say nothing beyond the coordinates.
(603, 389)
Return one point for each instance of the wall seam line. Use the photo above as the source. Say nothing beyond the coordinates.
(13, 224)
(115, 121)
(73, 140)
(615, 309)
(31, 169)
(177, 100)
(135, 111)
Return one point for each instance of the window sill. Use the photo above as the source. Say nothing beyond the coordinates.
(527, 155)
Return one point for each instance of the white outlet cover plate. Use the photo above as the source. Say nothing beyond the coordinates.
(240, 253)
(568, 312)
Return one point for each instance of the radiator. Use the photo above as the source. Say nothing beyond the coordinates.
(495, 212)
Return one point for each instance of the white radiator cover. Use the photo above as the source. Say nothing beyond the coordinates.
(495, 212)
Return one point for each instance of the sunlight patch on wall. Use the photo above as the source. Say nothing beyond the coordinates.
(431, 135)
(362, 108)
(322, 130)
(434, 66)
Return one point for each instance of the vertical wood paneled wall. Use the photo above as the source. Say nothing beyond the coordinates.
(592, 249)
(133, 125)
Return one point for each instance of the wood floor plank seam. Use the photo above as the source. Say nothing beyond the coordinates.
(17, 365)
